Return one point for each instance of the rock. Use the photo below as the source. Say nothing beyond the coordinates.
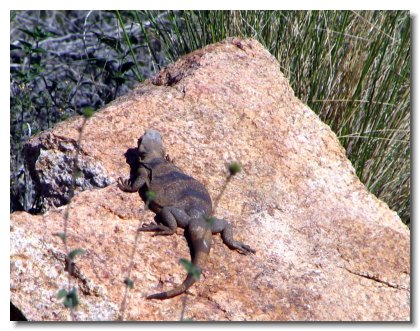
(327, 249)
(50, 160)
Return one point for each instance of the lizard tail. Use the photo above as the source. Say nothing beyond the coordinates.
(190, 280)
(200, 235)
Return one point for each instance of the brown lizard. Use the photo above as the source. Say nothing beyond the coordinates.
(179, 201)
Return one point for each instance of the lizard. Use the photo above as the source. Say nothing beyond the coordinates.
(179, 201)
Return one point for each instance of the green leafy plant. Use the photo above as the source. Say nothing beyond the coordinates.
(150, 196)
(129, 283)
(191, 268)
(71, 299)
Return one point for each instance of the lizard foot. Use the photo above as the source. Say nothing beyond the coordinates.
(242, 248)
(159, 229)
(148, 227)
(123, 184)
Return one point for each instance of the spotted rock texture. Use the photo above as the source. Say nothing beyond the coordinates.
(50, 159)
(327, 249)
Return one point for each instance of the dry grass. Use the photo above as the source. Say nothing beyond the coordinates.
(352, 68)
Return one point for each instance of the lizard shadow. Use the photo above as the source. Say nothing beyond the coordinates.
(132, 156)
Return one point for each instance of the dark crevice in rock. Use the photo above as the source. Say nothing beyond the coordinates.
(219, 307)
(86, 285)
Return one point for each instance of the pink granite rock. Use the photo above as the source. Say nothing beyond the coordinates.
(327, 249)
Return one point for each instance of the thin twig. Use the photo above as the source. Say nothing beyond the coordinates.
(130, 267)
(216, 201)
(75, 167)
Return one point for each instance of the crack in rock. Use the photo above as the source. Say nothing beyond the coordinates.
(375, 278)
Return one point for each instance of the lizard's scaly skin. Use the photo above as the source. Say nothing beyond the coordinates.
(179, 201)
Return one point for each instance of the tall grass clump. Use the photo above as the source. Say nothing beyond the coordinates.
(352, 68)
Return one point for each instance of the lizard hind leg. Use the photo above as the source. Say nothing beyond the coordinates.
(225, 229)
(167, 221)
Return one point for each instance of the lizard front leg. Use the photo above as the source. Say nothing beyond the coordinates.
(225, 229)
(126, 186)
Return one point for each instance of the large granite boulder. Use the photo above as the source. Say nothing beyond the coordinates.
(327, 249)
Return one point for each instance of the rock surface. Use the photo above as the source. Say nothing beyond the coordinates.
(327, 249)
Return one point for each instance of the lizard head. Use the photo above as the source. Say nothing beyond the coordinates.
(150, 145)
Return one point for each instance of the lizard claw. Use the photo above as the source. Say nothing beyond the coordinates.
(163, 233)
(123, 184)
(245, 249)
(159, 229)
(148, 227)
